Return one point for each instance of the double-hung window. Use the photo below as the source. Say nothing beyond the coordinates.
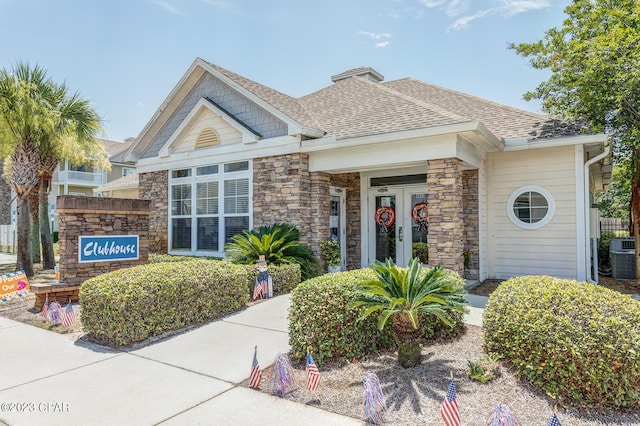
(209, 205)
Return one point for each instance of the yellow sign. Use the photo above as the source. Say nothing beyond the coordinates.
(13, 285)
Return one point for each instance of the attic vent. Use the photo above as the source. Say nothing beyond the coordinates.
(207, 137)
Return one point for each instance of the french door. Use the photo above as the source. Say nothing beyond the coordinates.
(397, 221)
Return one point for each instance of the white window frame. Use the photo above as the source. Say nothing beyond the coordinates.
(531, 188)
(128, 170)
(221, 176)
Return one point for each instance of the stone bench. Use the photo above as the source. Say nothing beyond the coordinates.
(62, 293)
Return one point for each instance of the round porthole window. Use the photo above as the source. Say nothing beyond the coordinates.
(530, 207)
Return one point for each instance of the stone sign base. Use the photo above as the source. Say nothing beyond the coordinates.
(61, 293)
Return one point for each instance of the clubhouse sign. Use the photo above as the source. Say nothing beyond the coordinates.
(107, 248)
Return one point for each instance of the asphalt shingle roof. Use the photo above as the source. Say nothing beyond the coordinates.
(355, 106)
(283, 103)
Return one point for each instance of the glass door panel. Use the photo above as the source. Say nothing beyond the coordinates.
(419, 227)
(385, 227)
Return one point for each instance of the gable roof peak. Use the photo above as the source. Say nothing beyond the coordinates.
(365, 72)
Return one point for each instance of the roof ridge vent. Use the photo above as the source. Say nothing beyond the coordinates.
(366, 72)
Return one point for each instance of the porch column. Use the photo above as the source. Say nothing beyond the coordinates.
(446, 224)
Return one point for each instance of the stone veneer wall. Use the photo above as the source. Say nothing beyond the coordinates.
(98, 216)
(155, 187)
(351, 181)
(319, 198)
(281, 193)
(446, 216)
(471, 222)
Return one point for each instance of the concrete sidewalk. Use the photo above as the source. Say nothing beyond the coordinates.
(189, 379)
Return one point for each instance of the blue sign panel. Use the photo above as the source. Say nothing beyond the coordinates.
(107, 248)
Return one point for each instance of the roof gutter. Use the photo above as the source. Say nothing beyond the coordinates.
(587, 218)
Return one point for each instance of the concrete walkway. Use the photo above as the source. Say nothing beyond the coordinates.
(189, 379)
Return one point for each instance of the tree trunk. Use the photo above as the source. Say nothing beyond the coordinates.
(48, 256)
(635, 207)
(407, 340)
(24, 180)
(24, 242)
(34, 236)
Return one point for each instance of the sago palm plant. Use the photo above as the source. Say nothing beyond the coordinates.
(278, 243)
(405, 295)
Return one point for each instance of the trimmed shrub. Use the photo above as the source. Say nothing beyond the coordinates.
(578, 342)
(163, 257)
(319, 317)
(133, 304)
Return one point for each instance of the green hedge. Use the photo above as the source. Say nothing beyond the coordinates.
(133, 304)
(319, 317)
(580, 343)
(163, 257)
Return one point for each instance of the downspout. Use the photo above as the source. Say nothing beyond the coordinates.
(587, 210)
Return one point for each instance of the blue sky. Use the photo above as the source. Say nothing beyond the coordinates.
(127, 55)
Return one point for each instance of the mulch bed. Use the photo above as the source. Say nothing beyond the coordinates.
(413, 396)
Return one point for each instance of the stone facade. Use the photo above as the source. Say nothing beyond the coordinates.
(281, 193)
(351, 182)
(99, 216)
(155, 187)
(446, 214)
(471, 223)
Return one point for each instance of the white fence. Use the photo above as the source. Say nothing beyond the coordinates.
(8, 238)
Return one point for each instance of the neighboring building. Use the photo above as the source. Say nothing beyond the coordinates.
(70, 179)
(380, 166)
(124, 187)
(81, 180)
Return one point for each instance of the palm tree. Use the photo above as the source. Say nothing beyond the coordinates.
(73, 139)
(278, 243)
(41, 125)
(405, 295)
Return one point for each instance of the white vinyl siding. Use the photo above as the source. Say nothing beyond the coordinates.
(549, 250)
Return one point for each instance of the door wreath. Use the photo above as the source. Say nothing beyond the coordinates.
(385, 217)
(420, 215)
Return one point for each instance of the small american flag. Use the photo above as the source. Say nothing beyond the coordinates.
(449, 409)
(256, 373)
(45, 308)
(69, 316)
(554, 421)
(313, 375)
(257, 290)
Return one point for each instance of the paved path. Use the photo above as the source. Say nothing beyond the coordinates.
(189, 379)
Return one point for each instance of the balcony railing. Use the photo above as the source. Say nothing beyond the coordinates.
(73, 177)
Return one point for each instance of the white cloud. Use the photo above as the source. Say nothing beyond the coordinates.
(375, 36)
(167, 7)
(511, 8)
(383, 44)
(218, 3)
(461, 9)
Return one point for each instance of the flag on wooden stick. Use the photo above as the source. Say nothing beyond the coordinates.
(554, 421)
(313, 375)
(373, 399)
(257, 290)
(256, 373)
(69, 317)
(449, 409)
(45, 308)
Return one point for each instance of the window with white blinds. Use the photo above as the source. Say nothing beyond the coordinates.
(209, 205)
